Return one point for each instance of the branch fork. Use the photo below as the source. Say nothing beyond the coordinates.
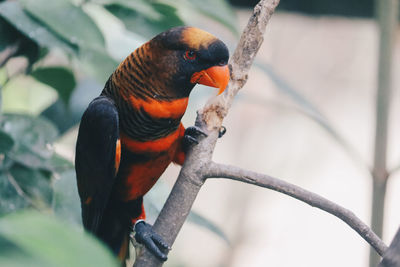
(199, 166)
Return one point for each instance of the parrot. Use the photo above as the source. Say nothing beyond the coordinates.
(132, 132)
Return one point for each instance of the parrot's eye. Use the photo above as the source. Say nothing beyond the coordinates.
(222, 63)
(190, 55)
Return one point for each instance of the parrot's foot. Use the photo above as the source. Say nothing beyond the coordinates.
(221, 131)
(191, 135)
(150, 239)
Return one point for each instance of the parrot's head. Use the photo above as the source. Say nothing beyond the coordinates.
(190, 56)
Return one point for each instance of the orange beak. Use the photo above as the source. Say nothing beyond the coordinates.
(217, 76)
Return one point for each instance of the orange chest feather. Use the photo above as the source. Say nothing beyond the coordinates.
(152, 146)
(137, 177)
(161, 109)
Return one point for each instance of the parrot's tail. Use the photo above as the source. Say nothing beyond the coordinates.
(123, 252)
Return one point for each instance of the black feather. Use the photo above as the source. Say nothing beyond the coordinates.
(95, 159)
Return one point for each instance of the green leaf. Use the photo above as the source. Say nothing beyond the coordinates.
(23, 187)
(67, 21)
(12, 12)
(33, 137)
(175, 13)
(10, 199)
(34, 132)
(60, 78)
(60, 164)
(143, 7)
(170, 16)
(3, 78)
(144, 25)
(66, 116)
(8, 34)
(13, 256)
(37, 238)
(13, 40)
(218, 10)
(6, 142)
(23, 94)
(35, 186)
(60, 115)
(66, 203)
(97, 63)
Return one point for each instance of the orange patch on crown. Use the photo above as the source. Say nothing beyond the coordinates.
(196, 38)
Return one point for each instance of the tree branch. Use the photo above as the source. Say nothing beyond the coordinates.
(191, 178)
(391, 258)
(231, 172)
(387, 18)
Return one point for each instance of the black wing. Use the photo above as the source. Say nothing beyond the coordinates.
(95, 161)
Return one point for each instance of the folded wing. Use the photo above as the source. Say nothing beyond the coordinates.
(97, 159)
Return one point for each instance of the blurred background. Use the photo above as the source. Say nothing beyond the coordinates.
(308, 115)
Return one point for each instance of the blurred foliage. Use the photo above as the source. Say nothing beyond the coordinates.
(353, 8)
(32, 174)
(34, 239)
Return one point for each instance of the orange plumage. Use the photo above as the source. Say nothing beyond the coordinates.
(131, 133)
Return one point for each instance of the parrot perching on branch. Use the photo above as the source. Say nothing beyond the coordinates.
(131, 133)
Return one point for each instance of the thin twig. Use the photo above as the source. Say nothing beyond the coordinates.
(387, 18)
(215, 170)
(21, 192)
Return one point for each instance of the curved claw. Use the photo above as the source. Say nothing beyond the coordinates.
(191, 136)
(190, 140)
(159, 241)
(222, 131)
(195, 131)
(150, 239)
